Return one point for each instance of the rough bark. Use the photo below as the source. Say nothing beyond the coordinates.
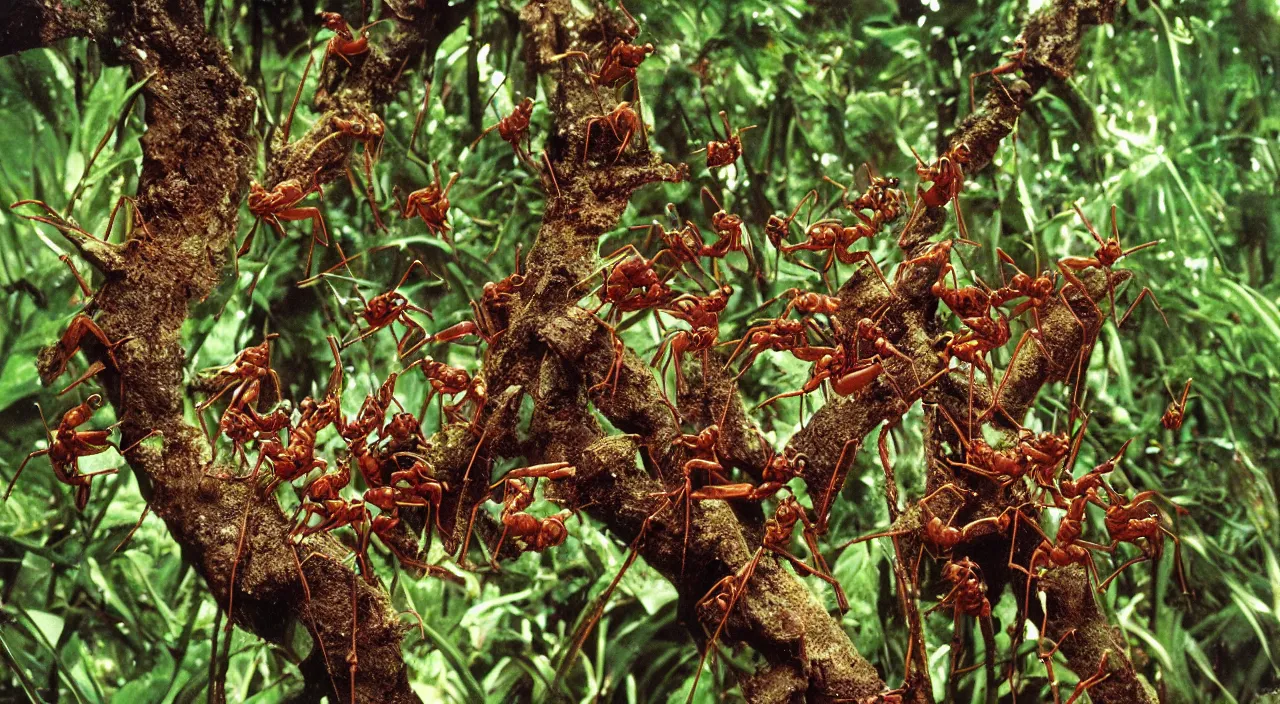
(197, 155)
(197, 152)
(1053, 39)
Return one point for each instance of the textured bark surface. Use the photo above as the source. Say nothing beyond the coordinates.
(198, 150)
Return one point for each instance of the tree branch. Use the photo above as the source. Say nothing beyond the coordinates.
(555, 351)
(197, 152)
(30, 24)
(1053, 39)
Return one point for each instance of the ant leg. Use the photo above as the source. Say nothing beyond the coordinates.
(1004, 378)
(1102, 586)
(231, 587)
(1098, 676)
(872, 536)
(866, 257)
(1145, 292)
(93, 370)
(22, 466)
(288, 123)
(841, 600)
(831, 485)
(145, 510)
(1177, 558)
(84, 285)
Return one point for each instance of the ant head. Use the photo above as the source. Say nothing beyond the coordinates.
(647, 48)
(961, 153)
(800, 462)
(333, 21)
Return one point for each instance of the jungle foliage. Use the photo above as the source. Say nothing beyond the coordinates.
(1172, 116)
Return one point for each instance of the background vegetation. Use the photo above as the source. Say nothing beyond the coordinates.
(1173, 117)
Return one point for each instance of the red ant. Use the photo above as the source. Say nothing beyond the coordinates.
(684, 245)
(539, 534)
(1173, 415)
(391, 307)
(947, 176)
(968, 597)
(676, 344)
(1131, 520)
(964, 301)
(281, 203)
(778, 228)
(619, 65)
(369, 130)
(882, 196)
(724, 153)
(1104, 257)
(834, 238)
(344, 43)
(68, 445)
(244, 375)
(939, 256)
(728, 229)
(1067, 547)
(781, 334)
(627, 275)
(847, 376)
(431, 203)
(445, 380)
(54, 358)
(623, 122)
(422, 485)
(513, 128)
(869, 330)
(1071, 488)
(777, 535)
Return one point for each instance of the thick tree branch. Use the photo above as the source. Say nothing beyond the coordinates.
(554, 350)
(197, 152)
(359, 87)
(1053, 39)
(30, 24)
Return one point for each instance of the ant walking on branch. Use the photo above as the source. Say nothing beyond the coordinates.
(1104, 257)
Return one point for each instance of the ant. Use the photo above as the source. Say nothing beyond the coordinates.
(281, 203)
(1104, 257)
(1014, 64)
(513, 128)
(391, 307)
(1174, 414)
(947, 176)
(68, 445)
(431, 203)
(623, 122)
(721, 154)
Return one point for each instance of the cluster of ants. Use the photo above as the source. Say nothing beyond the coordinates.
(852, 358)
(388, 447)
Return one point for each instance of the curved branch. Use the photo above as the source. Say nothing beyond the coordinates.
(197, 152)
(30, 24)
